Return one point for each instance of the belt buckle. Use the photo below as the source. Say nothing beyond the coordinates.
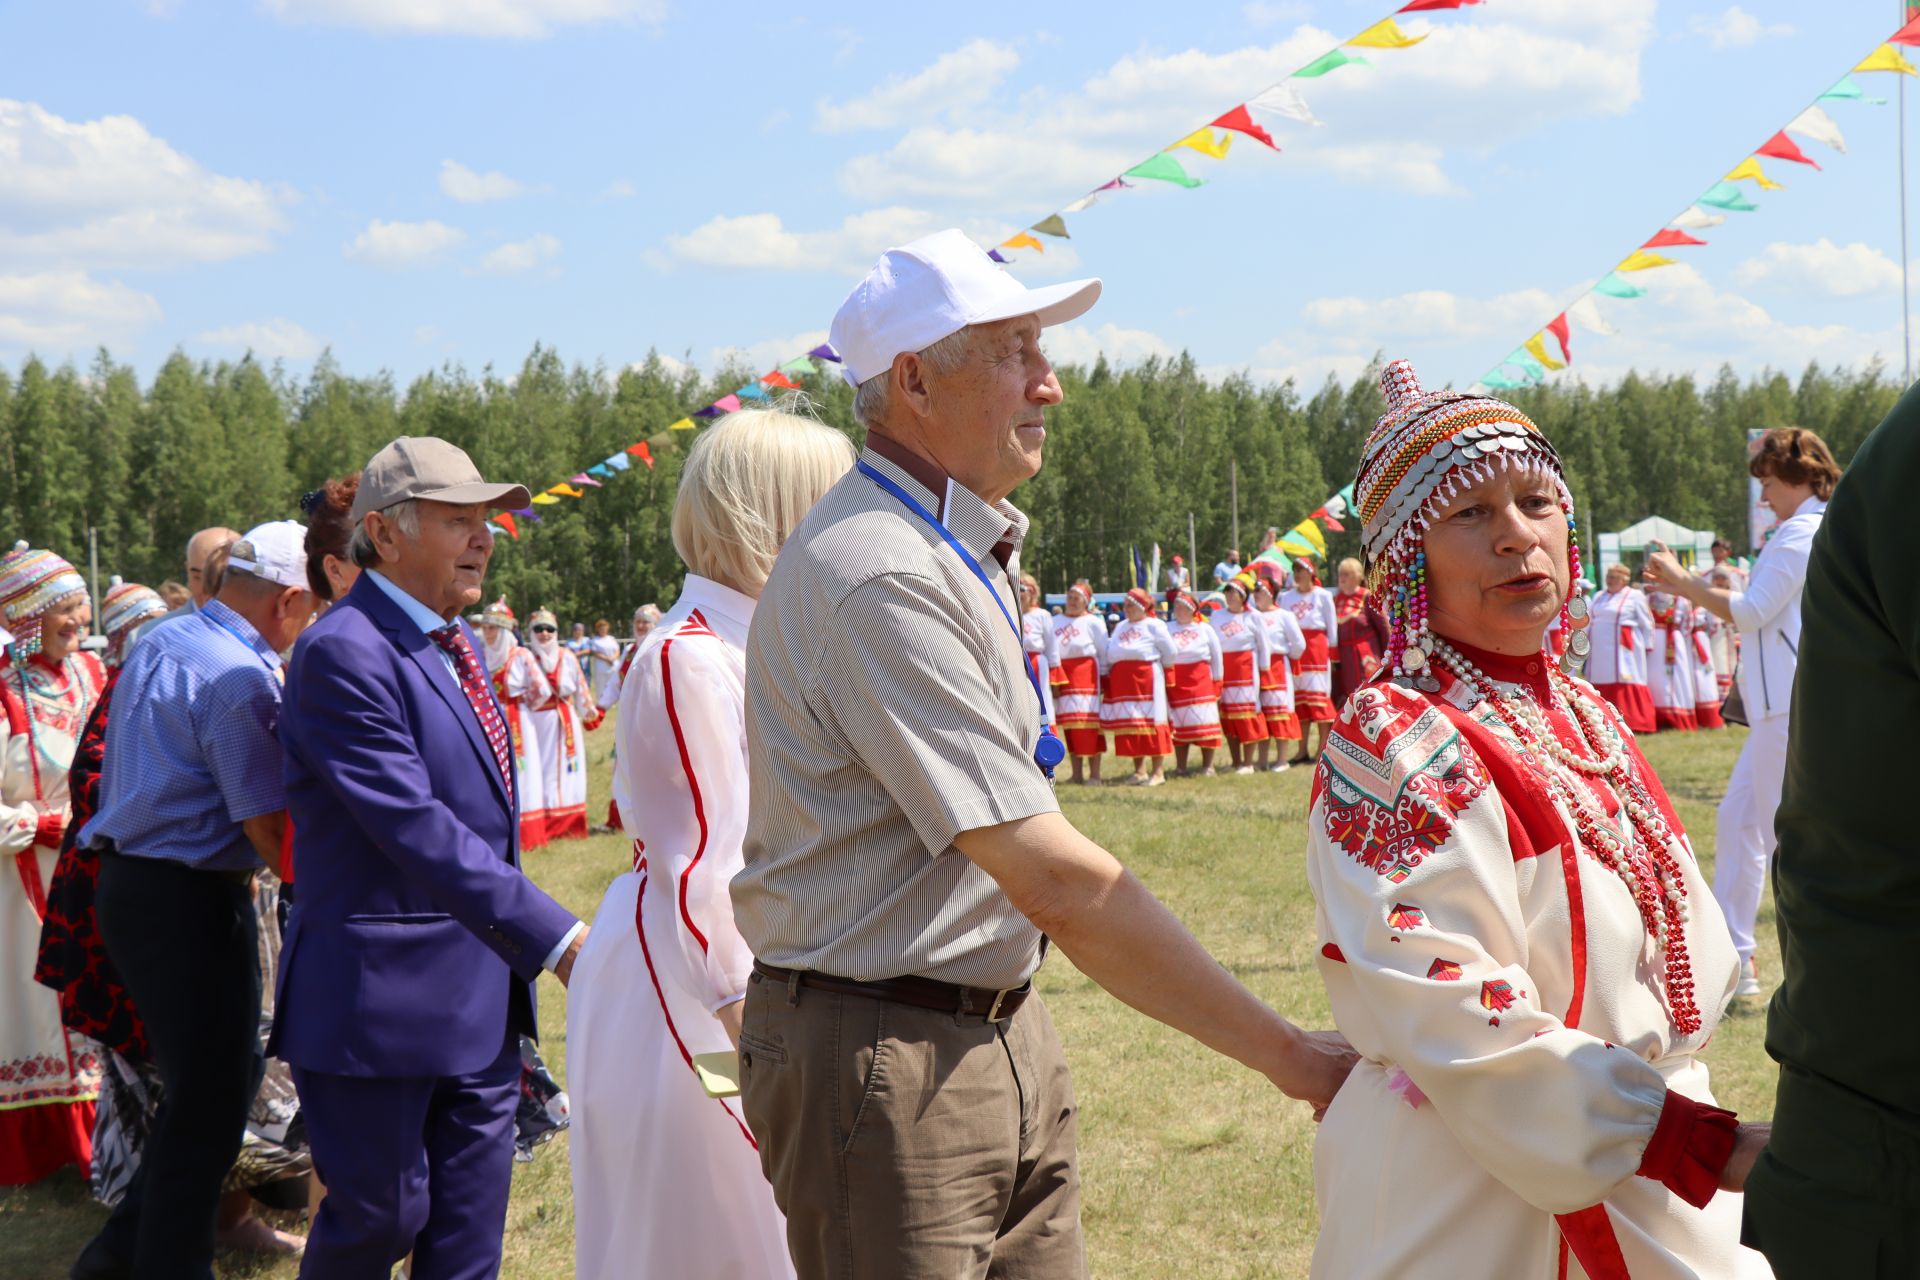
(993, 1010)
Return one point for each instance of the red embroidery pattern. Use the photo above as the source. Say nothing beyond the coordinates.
(1402, 916)
(1392, 788)
(1444, 971)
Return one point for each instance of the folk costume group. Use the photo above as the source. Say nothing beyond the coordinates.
(835, 757)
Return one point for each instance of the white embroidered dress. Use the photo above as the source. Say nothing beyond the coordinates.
(1621, 632)
(559, 731)
(1518, 1056)
(1041, 646)
(667, 1181)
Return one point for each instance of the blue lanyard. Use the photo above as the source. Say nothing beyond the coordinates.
(273, 666)
(1049, 751)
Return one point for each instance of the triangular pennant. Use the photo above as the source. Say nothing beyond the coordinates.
(522, 511)
(779, 380)
(492, 527)
(1023, 241)
(685, 424)
(1908, 35)
(1587, 312)
(1818, 125)
(535, 516)
(1331, 60)
(505, 520)
(1750, 168)
(617, 462)
(1052, 225)
(583, 478)
(752, 391)
(1241, 120)
(1309, 532)
(642, 452)
(1558, 328)
(1671, 239)
(1384, 34)
(727, 404)
(1641, 260)
(1427, 6)
(1781, 147)
(1724, 195)
(1698, 219)
(997, 256)
(602, 470)
(711, 411)
(1203, 141)
(1499, 381)
(1082, 204)
(825, 352)
(1530, 369)
(1887, 58)
(567, 491)
(1283, 100)
(1536, 346)
(544, 500)
(798, 367)
(1163, 168)
(1614, 285)
(1845, 90)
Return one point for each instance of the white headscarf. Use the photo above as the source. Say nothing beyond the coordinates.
(498, 642)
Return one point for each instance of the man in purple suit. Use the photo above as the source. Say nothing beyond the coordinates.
(410, 956)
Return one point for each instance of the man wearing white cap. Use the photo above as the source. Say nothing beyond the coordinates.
(905, 857)
(194, 804)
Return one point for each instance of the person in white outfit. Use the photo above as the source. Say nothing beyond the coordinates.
(1797, 473)
(667, 1180)
(1041, 645)
(1621, 633)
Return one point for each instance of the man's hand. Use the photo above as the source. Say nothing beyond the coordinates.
(564, 969)
(1749, 1140)
(1312, 1065)
(730, 1015)
(1665, 572)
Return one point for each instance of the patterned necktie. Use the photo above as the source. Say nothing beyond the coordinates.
(473, 682)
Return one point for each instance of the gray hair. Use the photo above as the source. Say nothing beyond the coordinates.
(873, 398)
(360, 548)
(651, 612)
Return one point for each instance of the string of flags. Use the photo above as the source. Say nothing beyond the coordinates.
(1306, 538)
(1551, 348)
(1281, 100)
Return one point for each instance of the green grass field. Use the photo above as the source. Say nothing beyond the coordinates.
(1192, 1165)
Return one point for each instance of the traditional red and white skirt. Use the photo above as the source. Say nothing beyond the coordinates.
(1313, 680)
(1633, 702)
(1240, 699)
(1276, 700)
(1131, 710)
(1076, 707)
(1706, 709)
(1193, 705)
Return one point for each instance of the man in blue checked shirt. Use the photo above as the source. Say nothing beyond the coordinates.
(192, 802)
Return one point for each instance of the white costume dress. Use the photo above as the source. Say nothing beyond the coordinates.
(666, 1180)
(559, 727)
(1313, 669)
(605, 653)
(1082, 645)
(1621, 632)
(1194, 694)
(1135, 708)
(518, 684)
(1042, 648)
(1286, 642)
(1670, 668)
(1245, 644)
(1526, 1106)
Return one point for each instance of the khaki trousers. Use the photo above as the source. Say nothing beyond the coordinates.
(908, 1144)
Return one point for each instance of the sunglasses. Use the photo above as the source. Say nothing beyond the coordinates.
(546, 631)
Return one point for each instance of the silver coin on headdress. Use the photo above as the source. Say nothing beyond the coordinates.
(1579, 644)
(1577, 608)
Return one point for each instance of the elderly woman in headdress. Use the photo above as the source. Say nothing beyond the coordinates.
(1312, 607)
(1246, 654)
(1193, 682)
(1513, 931)
(1134, 709)
(51, 1076)
(558, 724)
(520, 687)
(1080, 635)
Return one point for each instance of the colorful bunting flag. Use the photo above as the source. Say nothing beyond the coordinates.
(1671, 239)
(566, 491)
(1887, 58)
(1203, 141)
(1818, 125)
(1908, 35)
(1587, 312)
(711, 411)
(1384, 34)
(602, 469)
(1558, 328)
(1163, 168)
(544, 499)
(1283, 100)
(1781, 147)
(1529, 368)
(505, 521)
(1241, 120)
(1724, 195)
(1331, 60)
(799, 366)
(584, 478)
(825, 352)
(727, 404)
(1500, 381)
(617, 462)
(1052, 225)
(1845, 90)
(1641, 260)
(997, 256)
(1698, 219)
(1084, 203)
(1426, 6)
(752, 391)
(645, 454)
(780, 381)
(1750, 168)
(685, 424)
(1536, 346)
(1614, 285)
(1023, 241)
(524, 512)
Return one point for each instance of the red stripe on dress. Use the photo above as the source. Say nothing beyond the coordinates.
(693, 785)
(1577, 921)
(1589, 1233)
(646, 953)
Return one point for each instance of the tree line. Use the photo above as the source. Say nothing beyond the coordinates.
(1133, 456)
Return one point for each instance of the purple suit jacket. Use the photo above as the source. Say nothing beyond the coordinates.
(414, 938)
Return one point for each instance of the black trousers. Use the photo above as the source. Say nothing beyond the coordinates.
(186, 943)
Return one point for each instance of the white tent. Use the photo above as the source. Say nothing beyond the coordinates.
(1693, 546)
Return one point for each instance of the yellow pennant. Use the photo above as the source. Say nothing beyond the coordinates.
(1537, 348)
(1023, 241)
(1308, 531)
(685, 424)
(1887, 58)
(1203, 141)
(1750, 168)
(567, 492)
(1385, 34)
(1641, 260)
(544, 500)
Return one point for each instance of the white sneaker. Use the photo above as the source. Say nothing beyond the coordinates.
(1157, 780)
(1282, 767)
(1749, 979)
(1245, 768)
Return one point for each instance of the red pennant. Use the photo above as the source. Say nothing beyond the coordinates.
(505, 521)
(1907, 35)
(643, 453)
(1241, 120)
(779, 379)
(1425, 6)
(1558, 328)
(1781, 147)
(1671, 239)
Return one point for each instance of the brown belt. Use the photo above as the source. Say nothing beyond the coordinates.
(922, 993)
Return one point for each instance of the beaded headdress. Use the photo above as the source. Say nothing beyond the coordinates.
(125, 606)
(498, 615)
(32, 582)
(543, 616)
(1416, 458)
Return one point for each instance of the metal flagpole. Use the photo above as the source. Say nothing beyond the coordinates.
(1233, 475)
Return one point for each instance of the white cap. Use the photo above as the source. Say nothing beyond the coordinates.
(936, 286)
(275, 552)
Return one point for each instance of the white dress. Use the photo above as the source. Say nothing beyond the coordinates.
(1247, 645)
(1042, 646)
(605, 653)
(667, 1181)
(1194, 703)
(559, 729)
(520, 687)
(1621, 632)
(1286, 641)
(1670, 671)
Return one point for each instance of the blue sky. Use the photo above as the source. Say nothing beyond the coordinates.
(411, 182)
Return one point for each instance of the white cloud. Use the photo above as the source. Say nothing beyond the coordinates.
(762, 242)
(463, 184)
(1079, 345)
(964, 77)
(521, 255)
(988, 167)
(393, 246)
(108, 193)
(1427, 312)
(509, 19)
(1736, 28)
(1822, 268)
(61, 312)
(272, 339)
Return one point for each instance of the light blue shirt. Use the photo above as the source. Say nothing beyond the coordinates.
(428, 621)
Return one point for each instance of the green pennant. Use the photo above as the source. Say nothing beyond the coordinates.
(1614, 285)
(1329, 61)
(1164, 168)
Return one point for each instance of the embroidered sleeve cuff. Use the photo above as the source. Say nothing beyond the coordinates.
(50, 828)
(1690, 1146)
